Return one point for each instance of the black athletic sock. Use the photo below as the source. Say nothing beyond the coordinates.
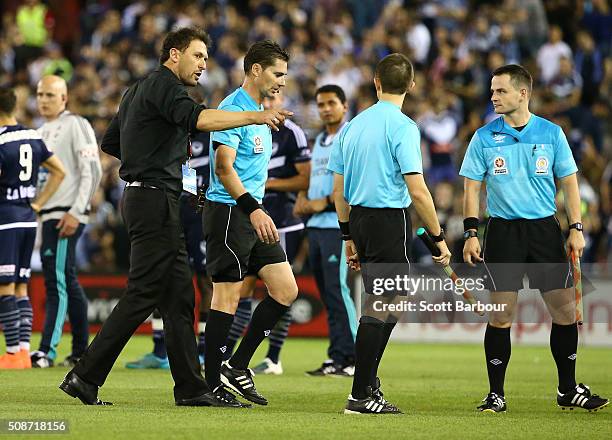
(215, 337)
(497, 352)
(277, 337)
(564, 345)
(265, 317)
(369, 335)
(241, 321)
(386, 334)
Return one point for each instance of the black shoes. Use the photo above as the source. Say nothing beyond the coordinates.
(220, 397)
(374, 403)
(241, 381)
(581, 397)
(76, 387)
(493, 403)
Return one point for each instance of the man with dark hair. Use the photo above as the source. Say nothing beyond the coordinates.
(22, 152)
(288, 172)
(383, 144)
(519, 155)
(149, 134)
(326, 252)
(241, 238)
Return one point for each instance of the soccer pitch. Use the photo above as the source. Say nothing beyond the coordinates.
(437, 386)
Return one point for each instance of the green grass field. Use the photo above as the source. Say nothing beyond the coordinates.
(437, 386)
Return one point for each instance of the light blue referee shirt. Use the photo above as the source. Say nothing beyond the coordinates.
(322, 179)
(373, 152)
(253, 145)
(519, 167)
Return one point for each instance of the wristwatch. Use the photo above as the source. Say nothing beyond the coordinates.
(469, 234)
(439, 238)
(576, 226)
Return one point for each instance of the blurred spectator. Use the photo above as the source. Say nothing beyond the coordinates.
(589, 64)
(550, 54)
(597, 19)
(565, 88)
(438, 130)
(34, 23)
(454, 44)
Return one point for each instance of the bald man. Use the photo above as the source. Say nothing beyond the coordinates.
(71, 138)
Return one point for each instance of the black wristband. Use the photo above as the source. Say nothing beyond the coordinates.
(345, 230)
(470, 223)
(247, 203)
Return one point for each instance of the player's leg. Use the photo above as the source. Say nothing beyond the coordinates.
(243, 314)
(315, 259)
(290, 242)
(550, 272)
(53, 253)
(229, 239)
(504, 251)
(205, 287)
(381, 236)
(158, 358)
(9, 320)
(77, 303)
(27, 237)
(337, 298)
(282, 290)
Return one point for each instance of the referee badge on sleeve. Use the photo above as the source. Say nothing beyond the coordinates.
(258, 148)
(541, 165)
(499, 166)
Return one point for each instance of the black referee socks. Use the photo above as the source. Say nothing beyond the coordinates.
(564, 345)
(215, 340)
(265, 317)
(367, 350)
(497, 352)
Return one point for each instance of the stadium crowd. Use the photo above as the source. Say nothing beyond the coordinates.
(102, 46)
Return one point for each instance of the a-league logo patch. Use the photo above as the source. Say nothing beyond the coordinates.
(258, 145)
(541, 165)
(499, 165)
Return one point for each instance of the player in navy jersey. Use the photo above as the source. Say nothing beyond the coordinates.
(22, 152)
(191, 220)
(288, 173)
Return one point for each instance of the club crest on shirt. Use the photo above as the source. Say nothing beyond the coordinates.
(258, 148)
(542, 165)
(499, 165)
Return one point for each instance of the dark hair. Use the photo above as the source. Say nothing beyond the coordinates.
(8, 100)
(264, 53)
(395, 73)
(332, 88)
(518, 75)
(180, 39)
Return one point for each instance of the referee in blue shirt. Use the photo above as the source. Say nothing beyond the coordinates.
(519, 156)
(241, 238)
(379, 173)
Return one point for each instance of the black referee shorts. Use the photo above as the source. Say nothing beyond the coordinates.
(232, 246)
(513, 248)
(382, 237)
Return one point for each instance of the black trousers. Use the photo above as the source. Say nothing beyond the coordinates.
(160, 278)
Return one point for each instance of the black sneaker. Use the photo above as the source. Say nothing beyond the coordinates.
(325, 369)
(227, 399)
(581, 397)
(70, 361)
(493, 403)
(41, 360)
(241, 381)
(378, 394)
(343, 371)
(370, 405)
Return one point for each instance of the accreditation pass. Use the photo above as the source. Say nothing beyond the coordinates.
(190, 181)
